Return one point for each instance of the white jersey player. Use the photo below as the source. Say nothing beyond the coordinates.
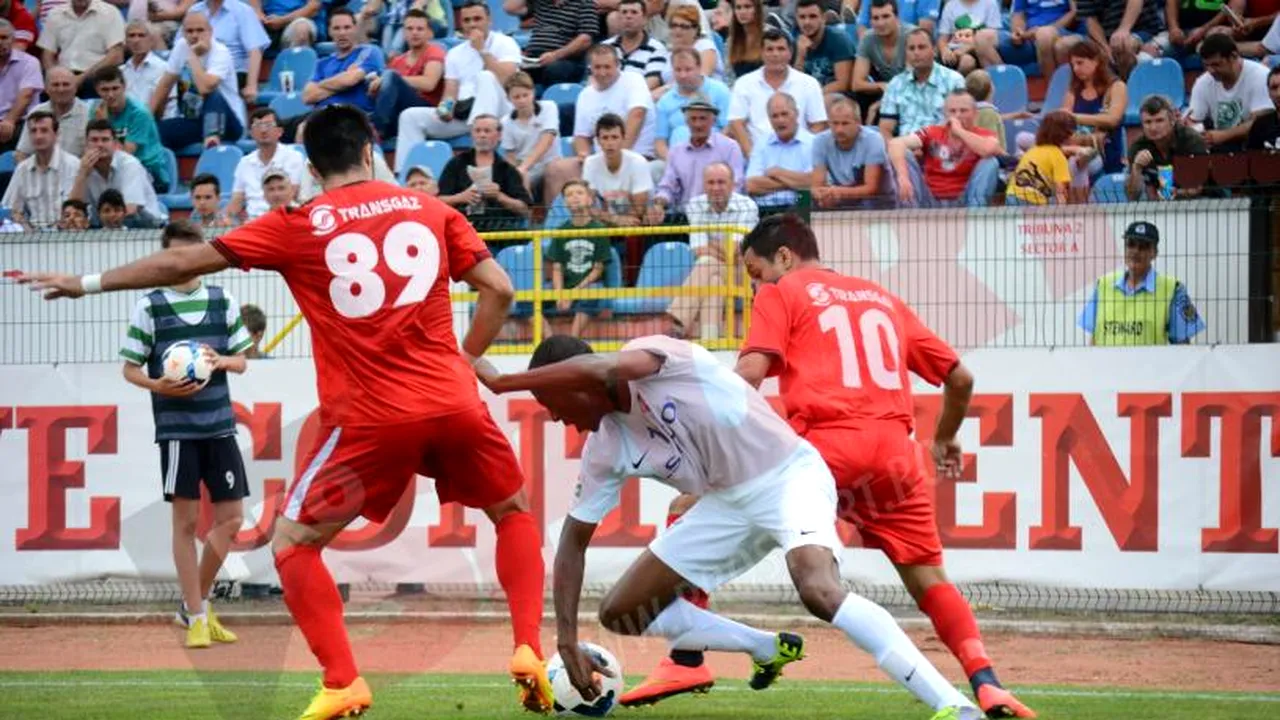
(667, 409)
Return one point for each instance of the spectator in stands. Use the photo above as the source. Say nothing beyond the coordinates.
(105, 166)
(1123, 28)
(639, 52)
(914, 99)
(277, 189)
(206, 202)
(43, 181)
(1188, 22)
(849, 161)
(248, 191)
(71, 111)
(20, 83)
(689, 83)
(912, 13)
(484, 186)
(719, 204)
(982, 17)
(979, 85)
(750, 121)
(824, 56)
(1098, 99)
(133, 123)
(310, 186)
(685, 23)
(299, 33)
(344, 76)
(25, 31)
(255, 322)
(75, 215)
(1163, 139)
(562, 31)
(276, 15)
(144, 69)
(882, 55)
(661, 12)
(959, 159)
(688, 161)
(84, 36)
(1035, 28)
(1229, 94)
(531, 132)
(578, 263)
(782, 162)
(412, 79)
(422, 179)
(111, 210)
(1043, 174)
(210, 109)
(393, 27)
(474, 73)
(1264, 134)
(1138, 305)
(236, 25)
(745, 42)
(619, 176)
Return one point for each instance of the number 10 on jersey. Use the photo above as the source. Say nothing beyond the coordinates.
(875, 329)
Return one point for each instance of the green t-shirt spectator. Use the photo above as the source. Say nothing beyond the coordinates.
(578, 255)
(135, 124)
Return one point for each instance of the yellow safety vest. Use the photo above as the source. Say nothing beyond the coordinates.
(1132, 320)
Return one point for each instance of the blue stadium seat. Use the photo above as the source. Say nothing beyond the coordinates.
(179, 196)
(565, 96)
(500, 20)
(300, 61)
(462, 142)
(221, 162)
(432, 153)
(566, 146)
(1058, 85)
(517, 261)
(7, 163)
(1154, 77)
(1010, 88)
(1272, 61)
(246, 144)
(289, 106)
(1013, 127)
(325, 48)
(1109, 189)
(666, 264)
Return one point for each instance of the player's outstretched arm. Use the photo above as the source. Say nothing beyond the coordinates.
(570, 564)
(583, 372)
(167, 267)
(496, 293)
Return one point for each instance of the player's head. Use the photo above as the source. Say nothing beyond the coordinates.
(339, 141)
(778, 245)
(111, 209)
(180, 233)
(583, 409)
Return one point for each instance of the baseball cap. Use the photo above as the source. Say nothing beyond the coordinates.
(700, 102)
(422, 169)
(1143, 232)
(272, 173)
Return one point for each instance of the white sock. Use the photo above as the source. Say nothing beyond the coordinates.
(689, 627)
(873, 629)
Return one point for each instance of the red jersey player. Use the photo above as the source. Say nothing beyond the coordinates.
(841, 347)
(369, 265)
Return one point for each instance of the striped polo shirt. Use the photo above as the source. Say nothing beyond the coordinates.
(556, 24)
(37, 193)
(650, 58)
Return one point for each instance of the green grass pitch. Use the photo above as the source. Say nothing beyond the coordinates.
(218, 695)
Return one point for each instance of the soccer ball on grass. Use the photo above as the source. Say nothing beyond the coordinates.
(569, 702)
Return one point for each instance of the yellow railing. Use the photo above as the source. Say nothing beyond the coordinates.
(736, 286)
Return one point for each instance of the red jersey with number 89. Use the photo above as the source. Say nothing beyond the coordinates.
(369, 265)
(842, 347)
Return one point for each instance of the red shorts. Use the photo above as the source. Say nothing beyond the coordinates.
(882, 486)
(364, 470)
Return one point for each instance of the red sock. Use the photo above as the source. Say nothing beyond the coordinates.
(697, 596)
(956, 626)
(313, 600)
(521, 573)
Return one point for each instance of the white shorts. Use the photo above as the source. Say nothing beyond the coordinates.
(729, 532)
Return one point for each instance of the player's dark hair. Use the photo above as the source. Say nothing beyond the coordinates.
(206, 179)
(336, 137)
(110, 198)
(1218, 45)
(778, 231)
(180, 230)
(558, 348)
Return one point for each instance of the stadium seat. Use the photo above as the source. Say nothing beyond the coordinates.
(289, 106)
(566, 146)
(666, 264)
(221, 161)
(179, 196)
(325, 48)
(1010, 88)
(1058, 85)
(432, 153)
(500, 20)
(1272, 61)
(300, 61)
(462, 142)
(1013, 127)
(246, 145)
(1154, 77)
(1109, 189)
(517, 261)
(7, 163)
(565, 96)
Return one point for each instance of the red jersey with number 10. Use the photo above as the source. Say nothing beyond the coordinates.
(842, 347)
(369, 266)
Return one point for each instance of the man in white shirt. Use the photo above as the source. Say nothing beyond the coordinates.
(748, 111)
(85, 36)
(144, 69)
(1228, 96)
(619, 176)
(718, 205)
(105, 166)
(43, 181)
(210, 108)
(248, 196)
(474, 74)
(71, 111)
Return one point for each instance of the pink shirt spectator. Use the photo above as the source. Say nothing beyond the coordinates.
(22, 71)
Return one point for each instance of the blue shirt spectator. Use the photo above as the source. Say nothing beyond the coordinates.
(670, 110)
(793, 155)
(237, 26)
(922, 13)
(343, 77)
(1184, 321)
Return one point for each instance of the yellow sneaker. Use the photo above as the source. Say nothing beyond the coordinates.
(198, 634)
(217, 632)
(349, 701)
(530, 673)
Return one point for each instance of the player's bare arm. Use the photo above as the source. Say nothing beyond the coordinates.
(571, 560)
(585, 372)
(957, 390)
(496, 293)
(174, 266)
(753, 367)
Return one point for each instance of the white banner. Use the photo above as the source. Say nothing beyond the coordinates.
(1122, 468)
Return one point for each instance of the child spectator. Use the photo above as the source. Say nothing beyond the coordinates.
(75, 215)
(967, 34)
(111, 210)
(531, 133)
(578, 262)
(421, 178)
(255, 321)
(1043, 174)
(979, 85)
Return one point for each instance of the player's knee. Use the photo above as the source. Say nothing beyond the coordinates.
(821, 597)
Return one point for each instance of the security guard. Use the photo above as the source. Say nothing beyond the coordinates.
(1137, 305)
